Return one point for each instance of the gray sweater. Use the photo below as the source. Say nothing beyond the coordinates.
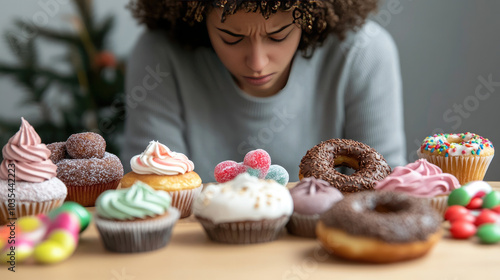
(188, 101)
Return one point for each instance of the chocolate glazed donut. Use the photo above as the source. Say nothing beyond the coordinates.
(321, 160)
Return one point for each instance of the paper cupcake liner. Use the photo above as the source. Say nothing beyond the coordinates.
(183, 200)
(245, 232)
(303, 225)
(27, 208)
(466, 169)
(439, 203)
(87, 195)
(138, 235)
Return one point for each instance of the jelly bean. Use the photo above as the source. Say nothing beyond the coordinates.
(228, 170)
(258, 159)
(496, 209)
(67, 221)
(491, 200)
(50, 251)
(479, 194)
(485, 217)
(489, 233)
(475, 203)
(75, 208)
(463, 195)
(64, 238)
(278, 174)
(462, 230)
(467, 217)
(455, 210)
(32, 228)
(24, 249)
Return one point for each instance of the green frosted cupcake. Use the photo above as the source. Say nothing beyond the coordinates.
(136, 219)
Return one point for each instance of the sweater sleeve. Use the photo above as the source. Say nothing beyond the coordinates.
(373, 98)
(153, 104)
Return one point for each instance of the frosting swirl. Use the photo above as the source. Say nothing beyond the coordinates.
(30, 157)
(158, 159)
(138, 201)
(314, 196)
(421, 179)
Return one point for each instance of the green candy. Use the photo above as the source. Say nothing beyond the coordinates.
(459, 197)
(70, 206)
(489, 233)
(491, 200)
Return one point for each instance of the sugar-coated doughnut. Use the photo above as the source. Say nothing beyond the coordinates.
(86, 145)
(320, 162)
(379, 227)
(57, 151)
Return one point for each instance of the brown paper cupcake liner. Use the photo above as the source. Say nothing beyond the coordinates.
(303, 225)
(138, 235)
(439, 203)
(183, 200)
(466, 169)
(87, 195)
(27, 208)
(244, 232)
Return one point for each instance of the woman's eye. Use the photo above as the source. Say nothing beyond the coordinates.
(277, 40)
(232, 43)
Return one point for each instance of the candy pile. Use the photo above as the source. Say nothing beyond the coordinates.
(256, 163)
(48, 238)
(474, 209)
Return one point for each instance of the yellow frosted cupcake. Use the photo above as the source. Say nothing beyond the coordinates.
(464, 155)
(165, 170)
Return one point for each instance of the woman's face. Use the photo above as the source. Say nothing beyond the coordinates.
(257, 52)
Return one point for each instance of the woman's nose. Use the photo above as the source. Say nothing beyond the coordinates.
(257, 58)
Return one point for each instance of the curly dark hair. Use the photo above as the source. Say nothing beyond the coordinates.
(184, 20)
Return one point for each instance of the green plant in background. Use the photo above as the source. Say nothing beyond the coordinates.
(92, 84)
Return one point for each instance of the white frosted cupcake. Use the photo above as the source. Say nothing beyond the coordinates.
(28, 182)
(244, 210)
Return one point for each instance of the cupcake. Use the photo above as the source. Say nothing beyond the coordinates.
(421, 179)
(136, 219)
(244, 210)
(85, 167)
(311, 197)
(465, 155)
(28, 182)
(165, 170)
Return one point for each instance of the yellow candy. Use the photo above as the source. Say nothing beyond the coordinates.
(50, 251)
(64, 238)
(29, 223)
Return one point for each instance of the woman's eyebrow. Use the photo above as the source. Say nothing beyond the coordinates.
(240, 35)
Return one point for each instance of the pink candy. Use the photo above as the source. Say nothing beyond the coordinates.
(257, 163)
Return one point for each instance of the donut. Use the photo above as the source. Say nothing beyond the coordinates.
(379, 227)
(86, 145)
(57, 151)
(321, 160)
(467, 156)
(87, 178)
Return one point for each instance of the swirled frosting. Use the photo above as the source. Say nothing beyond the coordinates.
(136, 202)
(158, 159)
(26, 154)
(421, 179)
(314, 196)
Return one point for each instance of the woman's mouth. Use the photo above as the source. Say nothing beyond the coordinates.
(259, 81)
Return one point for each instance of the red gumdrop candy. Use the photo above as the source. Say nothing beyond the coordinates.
(258, 159)
(467, 217)
(462, 230)
(475, 203)
(486, 217)
(228, 170)
(496, 209)
(455, 210)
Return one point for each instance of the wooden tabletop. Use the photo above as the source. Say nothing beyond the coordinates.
(191, 255)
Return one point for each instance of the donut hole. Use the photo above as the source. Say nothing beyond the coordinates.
(389, 207)
(346, 165)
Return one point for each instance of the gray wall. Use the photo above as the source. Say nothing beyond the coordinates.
(448, 48)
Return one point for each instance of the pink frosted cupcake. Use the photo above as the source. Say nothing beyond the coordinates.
(311, 197)
(28, 182)
(421, 179)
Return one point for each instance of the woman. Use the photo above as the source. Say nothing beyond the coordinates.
(215, 79)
